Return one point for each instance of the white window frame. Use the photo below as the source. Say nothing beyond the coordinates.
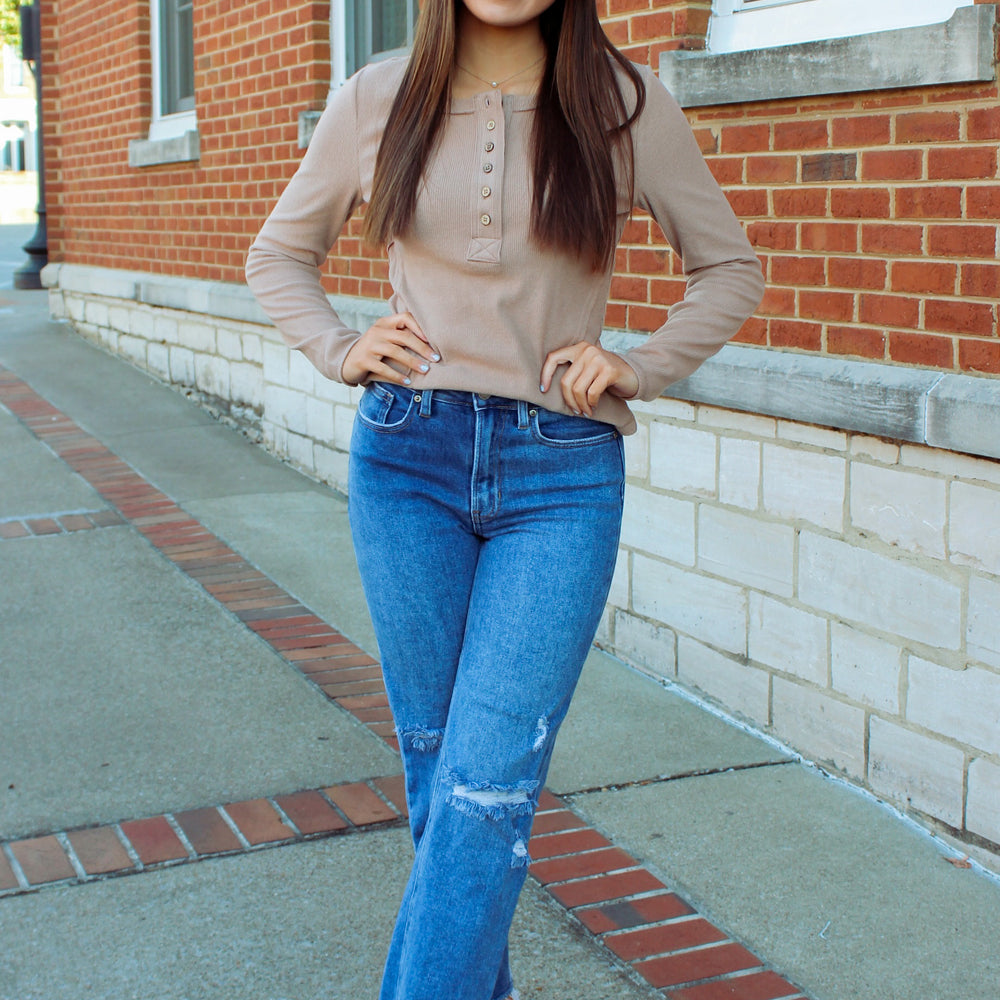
(342, 60)
(164, 126)
(743, 25)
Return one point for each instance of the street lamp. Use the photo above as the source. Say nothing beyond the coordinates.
(29, 274)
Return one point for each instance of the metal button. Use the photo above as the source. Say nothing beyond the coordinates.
(532, 413)
(485, 219)
(491, 125)
(416, 398)
(489, 147)
(487, 191)
(487, 168)
(487, 102)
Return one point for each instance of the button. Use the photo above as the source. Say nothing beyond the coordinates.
(487, 102)
(417, 398)
(489, 147)
(491, 125)
(487, 191)
(532, 413)
(485, 219)
(487, 168)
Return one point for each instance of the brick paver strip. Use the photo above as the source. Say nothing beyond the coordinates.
(258, 822)
(555, 845)
(100, 851)
(394, 789)
(675, 936)
(578, 865)
(755, 986)
(311, 813)
(692, 966)
(207, 831)
(632, 912)
(154, 840)
(42, 859)
(8, 880)
(612, 895)
(359, 804)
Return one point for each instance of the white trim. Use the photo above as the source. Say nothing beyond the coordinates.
(163, 126)
(738, 25)
(338, 43)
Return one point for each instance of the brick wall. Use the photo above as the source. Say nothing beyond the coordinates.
(256, 67)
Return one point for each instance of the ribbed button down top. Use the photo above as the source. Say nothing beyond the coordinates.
(492, 302)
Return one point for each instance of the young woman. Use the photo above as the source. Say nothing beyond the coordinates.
(498, 164)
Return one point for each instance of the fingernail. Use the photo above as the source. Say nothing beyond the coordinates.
(542, 387)
(425, 368)
(406, 381)
(435, 357)
(578, 413)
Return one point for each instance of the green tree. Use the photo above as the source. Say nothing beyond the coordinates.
(10, 22)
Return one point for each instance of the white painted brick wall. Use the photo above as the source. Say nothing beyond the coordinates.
(852, 583)
(211, 375)
(788, 639)
(962, 704)
(637, 452)
(696, 605)
(619, 594)
(916, 770)
(804, 485)
(833, 731)
(301, 374)
(983, 632)
(742, 548)
(181, 366)
(649, 645)
(659, 524)
(739, 472)
(974, 536)
(902, 508)
(319, 420)
(741, 688)
(682, 459)
(864, 668)
(198, 337)
(983, 806)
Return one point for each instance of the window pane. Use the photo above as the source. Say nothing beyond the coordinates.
(390, 23)
(374, 27)
(176, 25)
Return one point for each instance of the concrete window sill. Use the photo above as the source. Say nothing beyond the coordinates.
(959, 50)
(157, 152)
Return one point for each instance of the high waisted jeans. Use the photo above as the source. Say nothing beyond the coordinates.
(486, 533)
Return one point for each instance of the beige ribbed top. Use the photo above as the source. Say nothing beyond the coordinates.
(490, 301)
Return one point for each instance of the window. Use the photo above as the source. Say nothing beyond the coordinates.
(741, 25)
(363, 31)
(12, 146)
(172, 50)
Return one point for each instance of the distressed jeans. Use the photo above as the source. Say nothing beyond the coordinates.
(486, 532)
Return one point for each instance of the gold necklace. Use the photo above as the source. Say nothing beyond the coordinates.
(495, 84)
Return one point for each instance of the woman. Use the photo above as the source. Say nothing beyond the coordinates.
(498, 165)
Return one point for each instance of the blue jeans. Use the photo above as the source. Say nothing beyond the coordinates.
(486, 533)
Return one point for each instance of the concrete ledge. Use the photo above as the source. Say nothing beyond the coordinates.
(307, 125)
(944, 410)
(956, 51)
(156, 152)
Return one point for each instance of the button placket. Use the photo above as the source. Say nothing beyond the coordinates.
(489, 139)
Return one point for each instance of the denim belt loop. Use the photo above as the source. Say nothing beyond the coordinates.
(522, 415)
(425, 402)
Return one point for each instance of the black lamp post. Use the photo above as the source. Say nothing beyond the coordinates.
(29, 274)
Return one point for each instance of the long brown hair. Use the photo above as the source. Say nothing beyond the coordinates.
(581, 125)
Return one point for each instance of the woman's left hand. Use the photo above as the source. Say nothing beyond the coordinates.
(592, 371)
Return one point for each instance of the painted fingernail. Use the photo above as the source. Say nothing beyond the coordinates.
(542, 387)
(425, 368)
(406, 381)
(435, 357)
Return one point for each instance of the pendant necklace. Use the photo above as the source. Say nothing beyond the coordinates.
(496, 84)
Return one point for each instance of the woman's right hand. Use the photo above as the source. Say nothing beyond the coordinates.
(395, 338)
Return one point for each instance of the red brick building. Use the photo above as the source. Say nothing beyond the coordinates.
(825, 493)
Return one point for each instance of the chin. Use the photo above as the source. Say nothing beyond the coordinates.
(506, 13)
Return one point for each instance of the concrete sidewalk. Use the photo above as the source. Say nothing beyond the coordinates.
(129, 692)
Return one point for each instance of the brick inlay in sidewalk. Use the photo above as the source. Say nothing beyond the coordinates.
(636, 916)
(111, 850)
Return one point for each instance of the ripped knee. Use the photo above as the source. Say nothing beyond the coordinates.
(420, 738)
(511, 806)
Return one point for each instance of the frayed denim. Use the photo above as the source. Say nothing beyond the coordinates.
(486, 533)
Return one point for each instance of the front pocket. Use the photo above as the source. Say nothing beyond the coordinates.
(559, 430)
(385, 407)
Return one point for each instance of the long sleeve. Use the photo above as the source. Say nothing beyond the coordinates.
(283, 264)
(724, 280)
